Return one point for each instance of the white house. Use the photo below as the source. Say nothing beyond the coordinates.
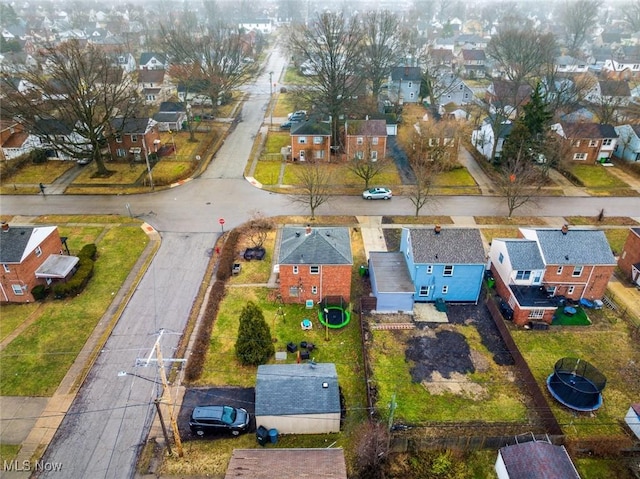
(569, 64)
(298, 398)
(628, 145)
(493, 131)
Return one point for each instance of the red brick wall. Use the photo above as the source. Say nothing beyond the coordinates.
(309, 147)
(367, 147)
(24, 273)
(630, 254)
(591, 284)
(333, 280)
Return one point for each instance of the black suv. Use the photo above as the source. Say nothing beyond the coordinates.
(222, 418)
(254, 253)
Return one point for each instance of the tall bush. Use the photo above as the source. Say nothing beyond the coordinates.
(254, 345)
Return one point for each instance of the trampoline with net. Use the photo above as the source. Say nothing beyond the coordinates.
(577, 384)
(333, 313)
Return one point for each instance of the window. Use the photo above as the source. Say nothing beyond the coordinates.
(17, 289)
(430, 269)
(6, 268)
(575, 143)
(424, 291)
(38, 251)
(374, 155)
(134, 138)
(314, 269)
(317, 140)
(150, 97)
(500, 258)
(445, 289)
(302, 140)
(295, 269)
(314, 290)
(580, 156)
(448, 270)
(523, 275)
(360, 140)
(293, 291)
(559, 270)
(118, 138)
(593, 143)
(607, 142)
(571, 289)
(359, 155)
(318, 154)
(577, 271)
(536, 314)
(121, 152)
(410, 84)
(434, 141)
(374, 140)
(48, 281)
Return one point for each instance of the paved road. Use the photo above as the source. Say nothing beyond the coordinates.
(111, 416)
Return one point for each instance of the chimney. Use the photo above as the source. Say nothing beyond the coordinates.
(437, 229)
(565, 229)
(307, 231)
(5, 226)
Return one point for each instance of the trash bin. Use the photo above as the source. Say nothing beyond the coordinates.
(262, 435)
(363, 270)
(273, 436)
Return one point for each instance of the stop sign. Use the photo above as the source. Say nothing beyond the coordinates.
(221, 221)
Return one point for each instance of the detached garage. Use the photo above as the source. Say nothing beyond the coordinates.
(298, 398)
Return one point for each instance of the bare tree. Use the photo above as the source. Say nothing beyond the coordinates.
(518, 180)
(257, 229)
(214, 57)
(631, 13)
(579, 18)
(331, 44)
(315, 184)
(364, 168)
(77, 86)
(372, 444)
(521, 54)
(380, 47)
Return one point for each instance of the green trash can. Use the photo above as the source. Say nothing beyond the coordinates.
(363, 270)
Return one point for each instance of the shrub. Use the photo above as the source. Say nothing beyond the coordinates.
(89, 251)
(39, 292)
(254, 345)
(81, 277)
(228, 255)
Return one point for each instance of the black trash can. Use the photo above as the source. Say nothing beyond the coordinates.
(262, 435)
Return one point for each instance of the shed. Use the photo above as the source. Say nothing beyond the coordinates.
(328, 463)
(633, 419)
(298, 398)
(535, 459)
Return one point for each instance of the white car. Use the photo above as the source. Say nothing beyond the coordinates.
(378, 193)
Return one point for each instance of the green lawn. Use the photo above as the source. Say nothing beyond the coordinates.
(597, 176)
(35, 362)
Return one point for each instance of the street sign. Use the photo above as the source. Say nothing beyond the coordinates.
(221, 221)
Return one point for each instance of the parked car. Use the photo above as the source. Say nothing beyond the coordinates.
(378, 193)
(300, 115)
(219, 418)
(286, 125)
(254, 253)
(84, 161)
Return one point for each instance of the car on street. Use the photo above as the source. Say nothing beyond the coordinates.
(377, 193)
(219, 419)
(84, 161)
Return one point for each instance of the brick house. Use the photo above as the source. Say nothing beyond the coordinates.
(629, 259)
(366, 139)
(31, 256)
(588, 142)
(311, 140)
(134, 139)
(314, 263)
(542, 266)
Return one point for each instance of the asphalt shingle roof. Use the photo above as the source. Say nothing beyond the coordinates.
(450, 246)
(524, 254)
(311, 127)
(288, 389)
(18, 241)
(577, 246)
(392, 274)
(538, 460)
(323, 245)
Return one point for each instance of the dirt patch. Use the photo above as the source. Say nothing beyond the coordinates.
(457, 384)
(446, 352)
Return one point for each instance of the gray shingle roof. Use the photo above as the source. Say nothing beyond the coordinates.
(524, 254)
(324, 245)
(392, 274)
(450, 246)
(538, 460)
(19, 241)
(287, 389)
(575, 247)
(311, 127)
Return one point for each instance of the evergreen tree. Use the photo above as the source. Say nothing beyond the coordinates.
(537, 117)
(254, 345)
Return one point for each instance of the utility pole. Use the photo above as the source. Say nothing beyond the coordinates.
(392, 410)
(166, 393)
(157, 402)
(271, 98)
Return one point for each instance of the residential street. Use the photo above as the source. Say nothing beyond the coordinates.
(108, 421)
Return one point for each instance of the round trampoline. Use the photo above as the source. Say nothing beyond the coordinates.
(576, 384)
(333, 315)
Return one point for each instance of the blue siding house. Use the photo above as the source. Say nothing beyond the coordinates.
(628, 146)
(444, 263)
